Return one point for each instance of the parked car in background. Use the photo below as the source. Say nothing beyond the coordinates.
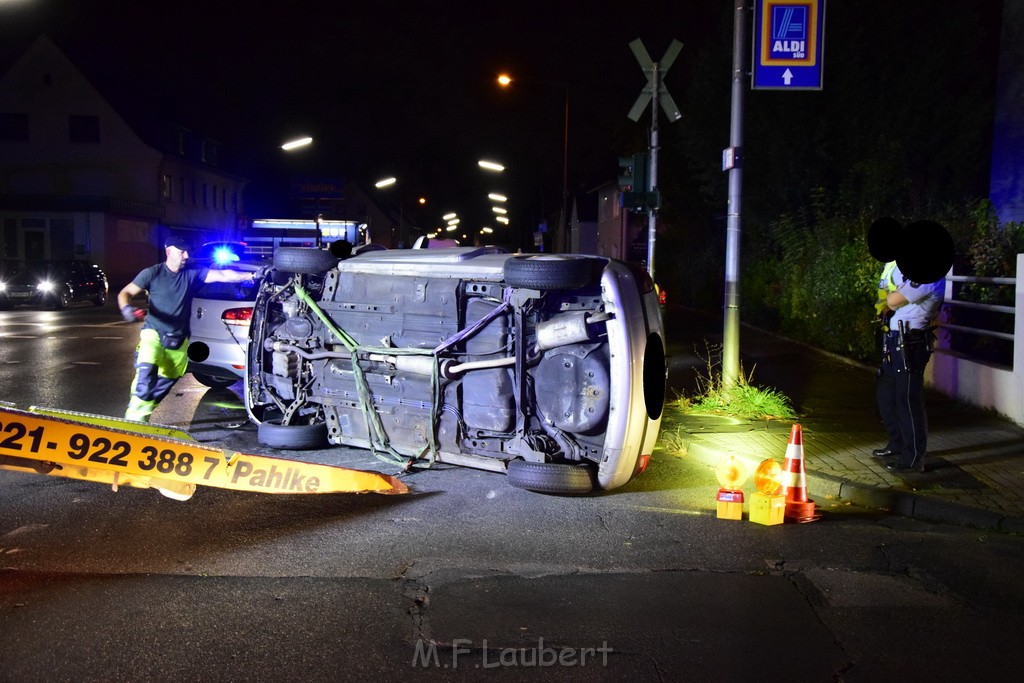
(55, 284)
(221, 312)
(550, 368)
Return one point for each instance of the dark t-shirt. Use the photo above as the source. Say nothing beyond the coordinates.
(170, 296)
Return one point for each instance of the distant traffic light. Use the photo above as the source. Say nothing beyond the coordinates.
(626, 173)
(634, 193)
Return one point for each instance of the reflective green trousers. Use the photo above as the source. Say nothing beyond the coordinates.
(156, 370)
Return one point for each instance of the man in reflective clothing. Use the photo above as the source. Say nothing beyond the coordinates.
(907, 316)
(161, 357)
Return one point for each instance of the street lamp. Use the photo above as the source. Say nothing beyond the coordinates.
(490, 165)
(422, 201)
(505, 80)
(297, 143)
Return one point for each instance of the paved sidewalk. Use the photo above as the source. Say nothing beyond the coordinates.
(975, 466)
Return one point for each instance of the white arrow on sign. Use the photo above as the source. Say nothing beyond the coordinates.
(668, 105)
(787, 76)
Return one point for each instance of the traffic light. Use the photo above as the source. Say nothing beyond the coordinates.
(626, 174)
(641, 162)
(633, 172)
(633, 191)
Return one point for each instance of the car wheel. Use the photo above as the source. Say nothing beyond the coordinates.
(550, 477)
(305, 261)
(100, 300)
(551, 271)
(292, 437)
(213, 382)
(63, 300)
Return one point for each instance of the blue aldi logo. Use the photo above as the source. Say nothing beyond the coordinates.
(789, 32)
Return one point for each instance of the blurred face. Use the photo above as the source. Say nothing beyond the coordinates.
(175, 258)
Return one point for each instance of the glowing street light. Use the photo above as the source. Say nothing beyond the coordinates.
(490, 165)
(495, 197)
(297, 143)
(385, 182)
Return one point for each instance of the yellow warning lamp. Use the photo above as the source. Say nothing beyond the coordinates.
(768, 477)
(768, 505)
(731, 474)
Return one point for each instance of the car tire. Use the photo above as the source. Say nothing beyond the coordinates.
(551, 477)
(304, 261)
(551, 271)
(100, 300)
(213, 382)
(300, 437)
(62, 301)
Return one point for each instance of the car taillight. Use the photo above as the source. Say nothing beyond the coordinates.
(237, 316)
(662, 297)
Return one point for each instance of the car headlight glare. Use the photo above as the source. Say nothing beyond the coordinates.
(45, 286)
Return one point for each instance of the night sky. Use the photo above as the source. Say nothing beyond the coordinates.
(408, 89)
(386, 88)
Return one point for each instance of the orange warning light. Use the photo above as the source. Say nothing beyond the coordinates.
(768, 477)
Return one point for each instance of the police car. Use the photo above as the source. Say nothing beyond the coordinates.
(221, 312)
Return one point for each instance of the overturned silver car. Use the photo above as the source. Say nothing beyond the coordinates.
(550, 368)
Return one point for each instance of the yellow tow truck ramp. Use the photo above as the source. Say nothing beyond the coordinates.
(119, 452)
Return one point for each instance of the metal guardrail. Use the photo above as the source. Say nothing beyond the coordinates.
(996, 308)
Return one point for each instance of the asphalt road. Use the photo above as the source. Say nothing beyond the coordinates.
(465, 577)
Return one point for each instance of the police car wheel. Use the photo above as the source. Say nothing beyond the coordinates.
(213, 382)
(551, 477)
(551, 271)
(304, 261)
(302, 437)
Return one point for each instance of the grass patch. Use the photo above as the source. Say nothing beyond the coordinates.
(741, 400)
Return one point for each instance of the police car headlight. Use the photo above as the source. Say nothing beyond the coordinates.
(45, 286)
(3, 286)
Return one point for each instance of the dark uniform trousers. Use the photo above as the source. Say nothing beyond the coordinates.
(900, 397)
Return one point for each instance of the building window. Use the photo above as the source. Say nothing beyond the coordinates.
(13, 127)
(210, 152)
(165, 187)
(181, 190)
(214, 188)
(206, 200)
(83, 128)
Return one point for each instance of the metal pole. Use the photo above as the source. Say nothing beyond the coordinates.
(566, 235)
(731, 329)
(652, 172)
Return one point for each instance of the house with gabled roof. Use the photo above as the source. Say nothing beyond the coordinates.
(81, 179)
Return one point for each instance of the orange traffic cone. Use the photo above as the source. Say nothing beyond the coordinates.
(798, 507)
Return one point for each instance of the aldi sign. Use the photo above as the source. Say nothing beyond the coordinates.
(788, 44)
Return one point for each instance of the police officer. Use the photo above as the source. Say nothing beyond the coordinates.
(907, 315)
(161, 356)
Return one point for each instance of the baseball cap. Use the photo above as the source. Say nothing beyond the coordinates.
(178, 242)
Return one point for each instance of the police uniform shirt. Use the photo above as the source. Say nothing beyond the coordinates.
(923, 301)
